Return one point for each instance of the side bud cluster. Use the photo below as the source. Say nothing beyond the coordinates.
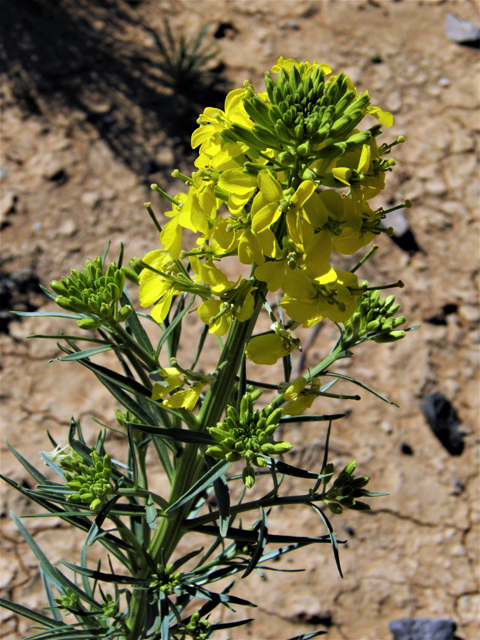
(346, 489)
(374, 318)
(165, 579)
(91, 483)
(199, 629)
(247, 434)
(92, 292)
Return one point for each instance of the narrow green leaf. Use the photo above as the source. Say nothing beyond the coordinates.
(30, 614)
(47, 314)
(222, 493)
(60, 581)
(312, 418)
(262, 541)
(177, 435)
(360, 384)
(289, 470)
(33, 471)
(135, 326)
(331, 533)
(63, 336)
(96, 528)
(77, 519)
(87, 353)
(230, 625)
(151, 513)
(162, 453)
(51, 602)
(212, 474)
(172, 326)
(106, 577)
(83, 561)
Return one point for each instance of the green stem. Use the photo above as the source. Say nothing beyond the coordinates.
(191, 464)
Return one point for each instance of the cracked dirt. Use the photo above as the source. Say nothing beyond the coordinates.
(85, 130)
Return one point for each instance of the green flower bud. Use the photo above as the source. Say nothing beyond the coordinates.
(125, 312)
(334, 507)
(88, 324)
(248, 477)
(215, 452)
(393, 336)
(232, 456)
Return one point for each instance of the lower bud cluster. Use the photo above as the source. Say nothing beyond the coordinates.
(91, 483)
(247, 434)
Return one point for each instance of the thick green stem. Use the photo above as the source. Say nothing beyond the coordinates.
(191, 464)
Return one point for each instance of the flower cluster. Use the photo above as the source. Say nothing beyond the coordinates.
(247, 434)
(374, 318)
(284, 179)
(93, 293)
(171, 379)
(90, 482)
(346, 489)
(165, 579)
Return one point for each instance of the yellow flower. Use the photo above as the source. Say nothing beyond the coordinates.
(214, 121)
(270, 347)
(173, 378)
(240, 187)
(237, 303)
(155, 288)
(309, 300)
(298, 398)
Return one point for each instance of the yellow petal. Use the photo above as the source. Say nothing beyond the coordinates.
(384, 117)
(267, 349)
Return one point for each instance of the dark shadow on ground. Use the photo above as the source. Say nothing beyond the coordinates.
(79, 55)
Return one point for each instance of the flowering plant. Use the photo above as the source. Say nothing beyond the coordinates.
(284, 180)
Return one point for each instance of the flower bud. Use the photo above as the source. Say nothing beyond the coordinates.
(89, 324)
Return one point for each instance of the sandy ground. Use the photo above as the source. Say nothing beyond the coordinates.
(86, 128)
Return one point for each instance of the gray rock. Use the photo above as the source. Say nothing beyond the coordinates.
(460, 31)
(423, 629)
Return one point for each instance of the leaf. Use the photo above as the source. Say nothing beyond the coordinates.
(151, 513)
(212, 474)
(307, 636)
(60, 581)
(312, 418)
(31, 614)
(360, 384)
(188, 556)
(230, 625)
(177, 435)
(290, 470)
(30, 468)
(135, 326)
(331, 533)
(78, 520)
(47, 314)
(87, 353)
(106, 577)
(96, 528)
(172, 326)
(163, 456)
(51, 602)
(63, 336)
(262, 541)
(222, 493)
